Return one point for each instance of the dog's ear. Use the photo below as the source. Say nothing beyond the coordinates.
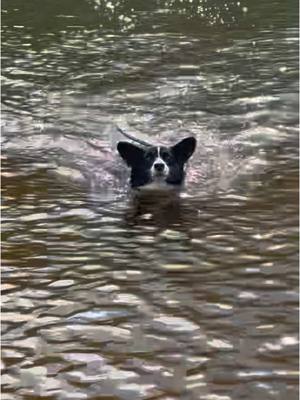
(184, 149)
(130, 153)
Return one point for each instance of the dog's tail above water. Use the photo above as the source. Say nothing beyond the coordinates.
(134, 139)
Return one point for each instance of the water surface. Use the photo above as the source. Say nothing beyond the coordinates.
(105, 296)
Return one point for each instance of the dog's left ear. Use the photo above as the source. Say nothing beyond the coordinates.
(130, 153)
(184, 149)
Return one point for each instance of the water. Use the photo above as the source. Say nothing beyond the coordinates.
(105, 296)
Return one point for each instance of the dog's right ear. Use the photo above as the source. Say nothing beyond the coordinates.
(184, 149)
(130, 153)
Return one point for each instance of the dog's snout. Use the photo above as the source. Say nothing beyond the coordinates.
(159, 167)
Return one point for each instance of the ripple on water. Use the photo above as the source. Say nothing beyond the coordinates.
(167, 324)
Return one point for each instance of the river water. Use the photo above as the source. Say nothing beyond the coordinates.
(105, 296)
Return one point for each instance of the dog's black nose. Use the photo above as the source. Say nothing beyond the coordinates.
(159, 167)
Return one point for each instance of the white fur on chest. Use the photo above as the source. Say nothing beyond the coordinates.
(157, 185)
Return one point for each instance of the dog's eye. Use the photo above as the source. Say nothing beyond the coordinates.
(149, 157)
(165, 156)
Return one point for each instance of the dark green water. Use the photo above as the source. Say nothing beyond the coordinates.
(106, 297)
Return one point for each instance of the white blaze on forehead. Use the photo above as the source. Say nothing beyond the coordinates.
(159, 160)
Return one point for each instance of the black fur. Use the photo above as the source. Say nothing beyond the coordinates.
(141, 160)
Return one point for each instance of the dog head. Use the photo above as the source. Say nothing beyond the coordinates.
(157, 164)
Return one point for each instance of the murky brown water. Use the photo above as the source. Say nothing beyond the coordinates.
(109, 297)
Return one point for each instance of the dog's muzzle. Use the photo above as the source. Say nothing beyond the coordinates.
(159, 167)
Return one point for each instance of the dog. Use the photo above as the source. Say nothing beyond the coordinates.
(157, 167)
